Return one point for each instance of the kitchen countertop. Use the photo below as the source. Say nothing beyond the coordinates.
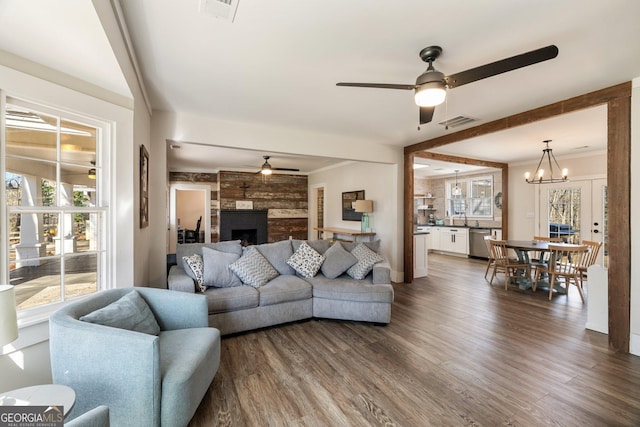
(460, 226)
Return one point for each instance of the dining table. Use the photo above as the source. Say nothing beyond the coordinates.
(522, 248)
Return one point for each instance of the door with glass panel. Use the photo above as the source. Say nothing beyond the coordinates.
(575, 211)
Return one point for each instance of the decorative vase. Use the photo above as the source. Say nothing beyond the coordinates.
(364, 223)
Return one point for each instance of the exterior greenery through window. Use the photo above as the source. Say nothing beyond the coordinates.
(564, 214)
(56, 215)
(473, 199)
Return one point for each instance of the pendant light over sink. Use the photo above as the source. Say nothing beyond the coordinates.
(457, 191)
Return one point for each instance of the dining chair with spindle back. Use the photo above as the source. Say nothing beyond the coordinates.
(593, 249)
(563, 266)
(491, 262)
(513, 269)
(539, 256)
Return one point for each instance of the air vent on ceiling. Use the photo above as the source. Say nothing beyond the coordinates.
(457, 121)
(221, 9)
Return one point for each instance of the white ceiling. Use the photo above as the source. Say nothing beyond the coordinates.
(278, 63)
(64, 35)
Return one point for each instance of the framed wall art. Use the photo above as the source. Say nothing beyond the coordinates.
(348, 205)
(144, 187)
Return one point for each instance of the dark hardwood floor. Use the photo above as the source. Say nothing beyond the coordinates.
(457, 352)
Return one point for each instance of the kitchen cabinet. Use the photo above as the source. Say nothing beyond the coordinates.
(434, 238)
(420, 255)
(454, 240)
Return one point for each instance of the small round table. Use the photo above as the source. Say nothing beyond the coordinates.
(40, 395)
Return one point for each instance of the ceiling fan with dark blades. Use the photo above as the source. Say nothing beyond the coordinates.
(430, 87)
(267, 169)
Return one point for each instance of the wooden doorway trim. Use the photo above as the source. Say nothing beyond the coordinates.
(618, 101)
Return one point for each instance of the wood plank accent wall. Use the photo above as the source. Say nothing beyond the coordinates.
(285, 197)
(618, 100)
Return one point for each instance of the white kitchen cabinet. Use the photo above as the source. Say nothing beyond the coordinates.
(454, 240)
(420, 255)
(434, 238)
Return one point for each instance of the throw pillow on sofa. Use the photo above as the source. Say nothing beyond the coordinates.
(306, 261)
(216, 268)
(319, 246)
(337, 261)
(277, 254)
(253, 269)
(366, 260)
(130, 312)
(195, 266)
(374, 246)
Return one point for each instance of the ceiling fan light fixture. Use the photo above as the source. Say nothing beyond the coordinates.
(92, 173)
(266, 168)
(430, 94)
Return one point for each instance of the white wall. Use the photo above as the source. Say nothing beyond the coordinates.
(634, 345)
(522, 195)
(380, 183)
(189, 207)
(129, 158)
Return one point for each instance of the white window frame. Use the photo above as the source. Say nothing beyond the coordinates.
(488, 197)
(34, 315)
(466, 184)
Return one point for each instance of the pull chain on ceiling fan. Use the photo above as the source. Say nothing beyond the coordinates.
(431, 86)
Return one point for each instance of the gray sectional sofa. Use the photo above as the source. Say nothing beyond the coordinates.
(285, 295)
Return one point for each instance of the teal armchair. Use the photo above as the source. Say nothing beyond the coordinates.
(97, 417)
(145, 380)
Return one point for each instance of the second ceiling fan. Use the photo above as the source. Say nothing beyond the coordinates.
(267, 169)
(430, 87)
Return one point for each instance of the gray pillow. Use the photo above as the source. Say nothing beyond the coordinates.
(306, 261)
(374, 246)
(337, 261)
(229, 246)
(129, 312)
(319, 246)
(366, 260)
(253, 269)
(216, 268)
(277, 254)
(186, 249)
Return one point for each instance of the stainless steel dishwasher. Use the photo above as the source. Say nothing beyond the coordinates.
(477, 246)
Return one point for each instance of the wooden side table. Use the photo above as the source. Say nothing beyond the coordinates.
(40, 395)
(354, 234)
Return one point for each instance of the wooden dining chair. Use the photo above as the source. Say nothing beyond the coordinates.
(563, 267)
(593, 249)
(538, 257)
(512, 269)
(491, 262)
